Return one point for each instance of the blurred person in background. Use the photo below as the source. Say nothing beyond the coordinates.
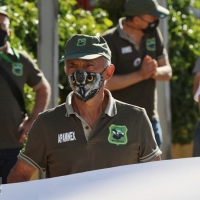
(16, 69)
(196, 93)
(140, 58)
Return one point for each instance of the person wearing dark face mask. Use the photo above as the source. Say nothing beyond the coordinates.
(91, 130)
(139, 57)
(18, 68)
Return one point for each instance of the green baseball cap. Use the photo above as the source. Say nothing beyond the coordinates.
(3, 11)
(142, 7)
(86, 47)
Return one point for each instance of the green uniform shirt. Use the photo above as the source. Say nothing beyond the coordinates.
(127, 58)
(57, 142)
(11, 116)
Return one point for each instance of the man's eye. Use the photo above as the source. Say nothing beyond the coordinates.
(90, 78)
(90, 65)
(73, 79)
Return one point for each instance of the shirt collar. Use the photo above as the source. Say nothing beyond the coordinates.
(111, 109)
(8, 49)
(122, 33)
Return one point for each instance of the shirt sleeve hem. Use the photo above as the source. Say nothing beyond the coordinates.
(30, 162)
(151, 156)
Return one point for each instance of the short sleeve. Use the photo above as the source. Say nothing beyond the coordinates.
(196, 96)
(197, 66)
(161, 52)
(148, 146)
(35, 146)
(34, 74)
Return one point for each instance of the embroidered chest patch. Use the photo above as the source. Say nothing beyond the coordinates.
(17, 69)
(117, 135)
(151, 44)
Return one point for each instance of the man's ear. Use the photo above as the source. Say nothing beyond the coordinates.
(9, 32)
(65, 68)
(109, 72)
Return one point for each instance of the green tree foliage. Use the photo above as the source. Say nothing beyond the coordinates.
(71, 20)
(115, 8)
(184, 48)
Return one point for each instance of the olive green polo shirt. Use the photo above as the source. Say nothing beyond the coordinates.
(59, 144)
(10, 112)
(127, 56)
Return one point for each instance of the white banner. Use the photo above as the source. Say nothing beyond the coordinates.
(162, 180)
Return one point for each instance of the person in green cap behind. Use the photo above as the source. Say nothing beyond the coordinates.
(140, 57)
(91, 130)
(18, 68)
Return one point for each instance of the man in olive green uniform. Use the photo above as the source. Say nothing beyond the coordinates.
(91, 130)
(140, 58)
(21, 68)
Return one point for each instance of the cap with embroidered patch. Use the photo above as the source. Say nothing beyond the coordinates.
(142, 7)
(86, 47)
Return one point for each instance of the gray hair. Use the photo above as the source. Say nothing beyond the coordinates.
(107, 62)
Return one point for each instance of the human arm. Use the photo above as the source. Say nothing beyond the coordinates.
(20, 172)
(43, 92)
(148, 68)
(196, 88)
(158, 158)
(159, 70)
(163, 70)
(34, 151)
(149, 150)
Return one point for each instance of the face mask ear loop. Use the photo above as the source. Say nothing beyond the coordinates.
(104, 70)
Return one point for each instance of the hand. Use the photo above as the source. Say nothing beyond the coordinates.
(24, 128)
(149, 67)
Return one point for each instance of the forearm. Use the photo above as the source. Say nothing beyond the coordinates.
(20, 172)
(158, 158)
(118, 82)
(163, 73)
(16, 176)
(41, 100)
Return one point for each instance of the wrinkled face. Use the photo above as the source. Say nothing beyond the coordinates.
(85, 77)
(94, 65)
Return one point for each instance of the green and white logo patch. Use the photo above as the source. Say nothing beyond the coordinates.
(117, 135)
(17, 69)
(81, 42)
(151, 44)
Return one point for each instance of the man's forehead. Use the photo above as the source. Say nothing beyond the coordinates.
(150, 17)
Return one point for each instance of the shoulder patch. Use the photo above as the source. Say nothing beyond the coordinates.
(17, 69)
(151, 44)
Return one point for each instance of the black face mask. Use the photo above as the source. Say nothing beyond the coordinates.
(3, 37)
(151, 27)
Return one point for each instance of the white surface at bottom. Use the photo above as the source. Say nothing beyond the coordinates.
(162, 180)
